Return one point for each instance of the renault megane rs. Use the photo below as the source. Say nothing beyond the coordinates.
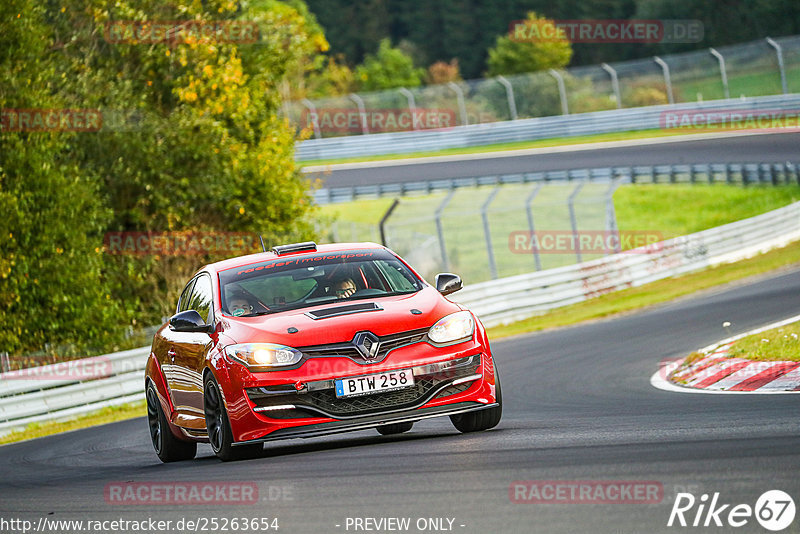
(309, 340)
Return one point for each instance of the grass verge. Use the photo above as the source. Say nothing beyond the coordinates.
(100, 417)
(654, 293)
(778, 344)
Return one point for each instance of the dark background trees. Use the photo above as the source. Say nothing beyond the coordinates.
(466, 29)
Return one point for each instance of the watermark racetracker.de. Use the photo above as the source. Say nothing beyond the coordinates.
(180, 243)
(586, 492)
(345, 120)
(50, 120)
(585, 241)
(730, 119)
(173, 32)
(607, 31)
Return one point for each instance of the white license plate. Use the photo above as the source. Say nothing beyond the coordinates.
(364, 385)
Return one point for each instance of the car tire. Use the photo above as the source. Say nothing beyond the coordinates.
(167, 446)
(218, 426)
(394, 428)
(482, 419)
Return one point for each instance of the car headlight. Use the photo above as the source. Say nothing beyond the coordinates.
(263, 356)
(451, 328)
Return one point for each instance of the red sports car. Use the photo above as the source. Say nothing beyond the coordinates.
(308, 340)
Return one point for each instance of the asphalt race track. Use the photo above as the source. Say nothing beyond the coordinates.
(578, 406)
(770, 148)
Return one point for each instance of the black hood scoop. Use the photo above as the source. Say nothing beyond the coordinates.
(343, 310)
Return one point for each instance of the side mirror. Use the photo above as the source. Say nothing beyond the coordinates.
(447, 283)
(189, 321)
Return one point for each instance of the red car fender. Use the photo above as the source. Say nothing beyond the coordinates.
(154, 373)
(488, 362)
(218, 366)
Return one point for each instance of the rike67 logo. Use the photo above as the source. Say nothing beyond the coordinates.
(774, 510)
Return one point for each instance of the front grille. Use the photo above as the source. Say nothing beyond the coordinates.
(348, 350)
(323, 401)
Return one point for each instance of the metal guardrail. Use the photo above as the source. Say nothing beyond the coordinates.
(732, 173)
(72, 388)
(57, 391)
(518, 297)
(598, 122)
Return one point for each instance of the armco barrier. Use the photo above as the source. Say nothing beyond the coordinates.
(518, 297)
(598, 122)
(121, 379)
(732, 173)
(62, 390)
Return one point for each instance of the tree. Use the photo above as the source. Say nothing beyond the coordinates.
(53, 286)
(200, 146)
(531, 49)
(443, 72)
(387, 69)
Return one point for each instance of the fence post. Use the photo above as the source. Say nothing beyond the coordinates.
(531, 227)
(779, 52)
(723, 71)
(440, 231)
(573, 221)
(487, 232)
(614, 82)
(412, 106)
(512, 105)
(314, 117)
(562, 90)
(611, 214)
(385, 218)
(667, 78)
(362, 112)
(462, 108)
(5, 364)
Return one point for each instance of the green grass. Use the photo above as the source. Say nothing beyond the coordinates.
(654, 293)
(100, 417)
(767, 82)
(778, 344)
(684, 209)
(669, 209)
(662, 210)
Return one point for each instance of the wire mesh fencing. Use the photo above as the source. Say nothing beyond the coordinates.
(758, 68)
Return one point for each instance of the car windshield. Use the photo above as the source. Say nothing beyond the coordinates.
(308, 280)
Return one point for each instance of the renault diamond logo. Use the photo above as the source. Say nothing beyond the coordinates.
(368, 345)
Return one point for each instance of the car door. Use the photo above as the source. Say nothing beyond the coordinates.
(188, 353)
(164, 343)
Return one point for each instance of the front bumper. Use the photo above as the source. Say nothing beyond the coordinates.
(283, 405)
(318, 398)
(364, 423)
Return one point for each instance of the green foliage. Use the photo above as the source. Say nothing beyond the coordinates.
(466, 29)
(332, 78)
(51, 268)
(192, 141)
(514, 55)
(387, 69)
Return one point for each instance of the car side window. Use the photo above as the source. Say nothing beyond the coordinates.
(201, 298)
(183, 302)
